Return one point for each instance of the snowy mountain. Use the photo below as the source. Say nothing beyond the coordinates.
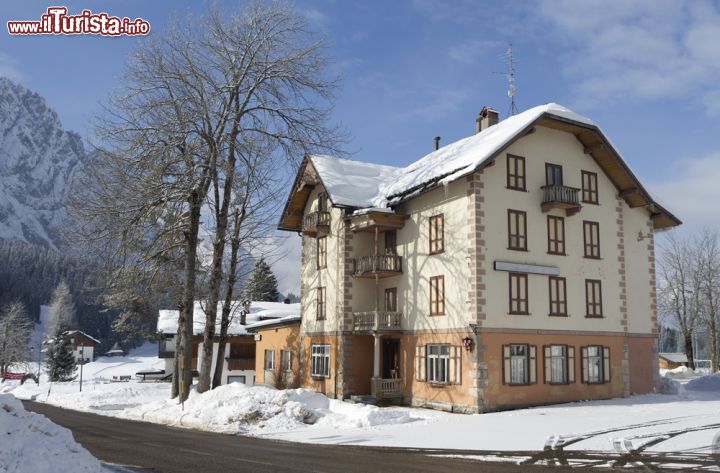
(37, 160)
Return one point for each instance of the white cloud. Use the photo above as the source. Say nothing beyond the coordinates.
(471, 51)
(645, 49)
(315, 15)
(286, 263)
(692, 192)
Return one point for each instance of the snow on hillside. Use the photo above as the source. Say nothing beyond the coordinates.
(37, 162)
(31, 443)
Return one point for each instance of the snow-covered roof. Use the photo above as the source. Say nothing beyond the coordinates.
(363, 185)
(353, 183)
(271, 322)
(674, 357)
(73, 332)
(259, 311)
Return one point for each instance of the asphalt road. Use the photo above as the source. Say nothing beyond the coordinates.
(170, 450)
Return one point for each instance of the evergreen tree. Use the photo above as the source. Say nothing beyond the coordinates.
(262, 285)
(60, 360)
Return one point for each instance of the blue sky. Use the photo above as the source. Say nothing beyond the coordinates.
(647, 71)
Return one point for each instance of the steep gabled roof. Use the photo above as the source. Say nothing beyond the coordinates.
(363, 185)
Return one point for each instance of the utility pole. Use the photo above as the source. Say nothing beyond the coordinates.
(82, 362)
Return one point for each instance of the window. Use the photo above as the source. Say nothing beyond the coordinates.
(516, 172)
(553, 175)
(286, 360)
(321, 252)
(321, 361)
(556, 235)
(391, 242)
(593, 298)
(596, 364)
(270, 360)
(518, 293)
(391, 302)
(437, 234)
(558, 296)
(437, 295)
(589, 187)
(559, 363)
(322, 202)
(517, 230)
(519, 364)
(320, 303)
(438, 363)
(591, 235)
(236, 379)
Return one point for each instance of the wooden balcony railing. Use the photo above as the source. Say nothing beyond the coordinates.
(561, 197)
(381, 265)
(316, 223)
(369, 321)
(241, 364)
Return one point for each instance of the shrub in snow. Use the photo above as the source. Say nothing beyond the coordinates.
(668, 386)
(31, 443)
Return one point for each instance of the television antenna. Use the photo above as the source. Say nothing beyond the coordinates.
(510, 76)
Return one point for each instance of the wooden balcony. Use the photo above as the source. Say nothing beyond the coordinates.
(316, 224)
(166, 354)
(561, 197)
(381, 266)
(241, 364)
(377, 321)
(380, 221)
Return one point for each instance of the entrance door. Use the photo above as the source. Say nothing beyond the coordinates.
(391, 358)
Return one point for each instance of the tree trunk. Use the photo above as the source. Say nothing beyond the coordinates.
(714, 348)
(227, 306)
(185, 320)
(175, 389)
(689, 349)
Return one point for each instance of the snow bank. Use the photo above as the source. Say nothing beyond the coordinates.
(31, 443)
(705, 384)
(669, 386)
(236, 408)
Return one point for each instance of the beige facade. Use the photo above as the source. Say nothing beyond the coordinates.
(390, 338)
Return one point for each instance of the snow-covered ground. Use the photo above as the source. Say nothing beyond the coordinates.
(31, 443)
(304, 416)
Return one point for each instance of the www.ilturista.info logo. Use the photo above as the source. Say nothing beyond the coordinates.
(56, 21)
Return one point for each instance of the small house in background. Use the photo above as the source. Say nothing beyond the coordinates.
(83, 346)
(277, 347)
(670, 361)
(239, 356)
(116, 351)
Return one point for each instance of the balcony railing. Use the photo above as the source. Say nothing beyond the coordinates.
(387, 388)
(166, 354)
(369, 321)
(316, 223)
(561, 197)
(241, 364)
(381, 265)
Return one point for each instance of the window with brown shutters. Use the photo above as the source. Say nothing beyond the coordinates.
(516, 172)
(591, 237)
(519, 364)
(320, 303)
(437, 234)
(391, 242)
(517, 230)
(589, 187)
(558, 364)
(558, 296)
(322, 202)
(556, 235)
(437, 295)
(593, 298)
(518, 303)
(322, 252)
(391, 300)
(595, 364)
(420, 363)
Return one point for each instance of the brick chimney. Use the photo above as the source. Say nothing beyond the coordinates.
(437, 143)
(487, 118)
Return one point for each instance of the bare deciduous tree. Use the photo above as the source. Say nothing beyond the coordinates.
(15, 327)
(707, 248)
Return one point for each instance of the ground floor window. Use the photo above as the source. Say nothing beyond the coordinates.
(438, 363)
(557, 364)
(596, 364)
(519, 364)
(270, 360)
(321, 361)
(286, 361)
(236, 379)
